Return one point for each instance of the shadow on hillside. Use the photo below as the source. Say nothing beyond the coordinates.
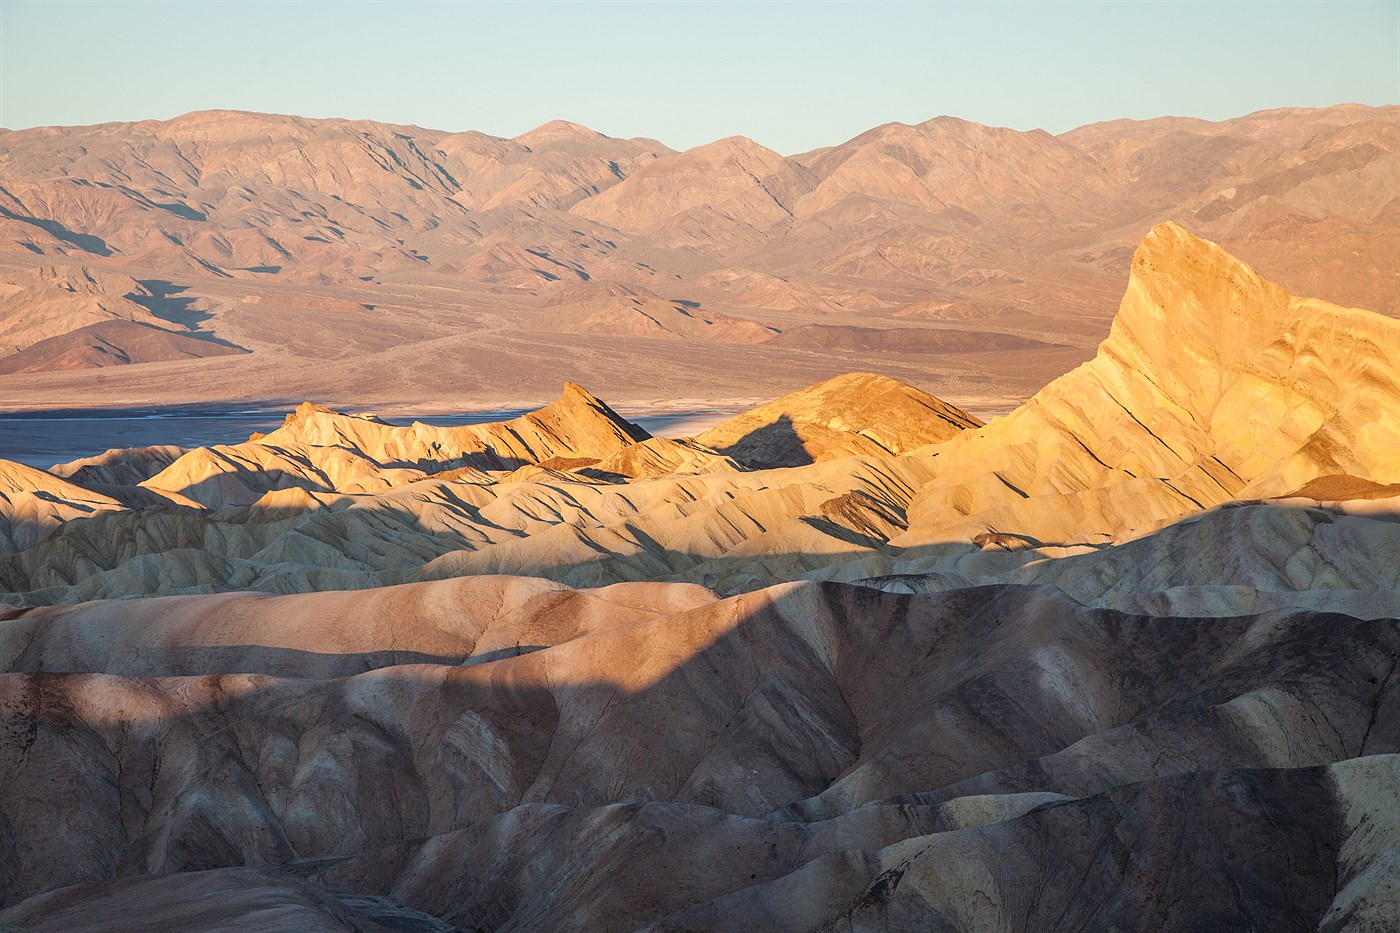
(771, 446)
(784, 712)
(84, 241)
(167, 302)
(356, 542)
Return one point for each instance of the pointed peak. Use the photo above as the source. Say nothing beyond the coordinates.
(307, 410)
(306, 415)
(577, 408)
(737, 144)
(555, 130)
(1171, 249)
(574, 391)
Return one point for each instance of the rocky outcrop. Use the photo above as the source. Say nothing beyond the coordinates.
(34, 503)
(1213, 384)
(123, 466)
(859, 413)
(326, 451)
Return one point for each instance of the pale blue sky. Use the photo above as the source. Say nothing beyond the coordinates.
(793, 75)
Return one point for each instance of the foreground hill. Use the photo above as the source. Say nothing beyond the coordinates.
(858, 413)
(853, 660)
(506, 753)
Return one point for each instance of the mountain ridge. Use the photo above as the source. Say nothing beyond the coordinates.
(464, 235)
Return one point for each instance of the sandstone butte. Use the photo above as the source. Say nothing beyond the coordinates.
(1123, 658)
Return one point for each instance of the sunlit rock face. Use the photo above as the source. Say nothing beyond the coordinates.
(853, 660)
(1213, 385)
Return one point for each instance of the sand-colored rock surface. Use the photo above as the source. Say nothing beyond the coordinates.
(326, 451)
(859, 413)
(1096, 485)
(33, 503)
(1212, 385)
(123, 466)
(1328, 556)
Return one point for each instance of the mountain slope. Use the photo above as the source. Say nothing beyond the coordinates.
(859, 413)
(734, 178)
(410, 243)
(1213, 384)
(634, 311)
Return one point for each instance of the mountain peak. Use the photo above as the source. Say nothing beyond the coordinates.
(851, 414)
(736, 145)
(557, 129)
(586, 419)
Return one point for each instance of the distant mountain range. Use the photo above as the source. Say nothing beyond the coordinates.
(1030, 230)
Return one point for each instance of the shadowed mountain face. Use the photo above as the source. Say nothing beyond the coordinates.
(1125, 658)
(66, 318)
(956, 246)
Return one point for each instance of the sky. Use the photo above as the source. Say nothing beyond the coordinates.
(792, 75)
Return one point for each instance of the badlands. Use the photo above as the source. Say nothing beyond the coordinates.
(1125, 658)
(1002, 610)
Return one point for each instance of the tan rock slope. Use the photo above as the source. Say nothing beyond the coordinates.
(1212, 385)
(33, 503)
(859, 413)
(318, 449)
